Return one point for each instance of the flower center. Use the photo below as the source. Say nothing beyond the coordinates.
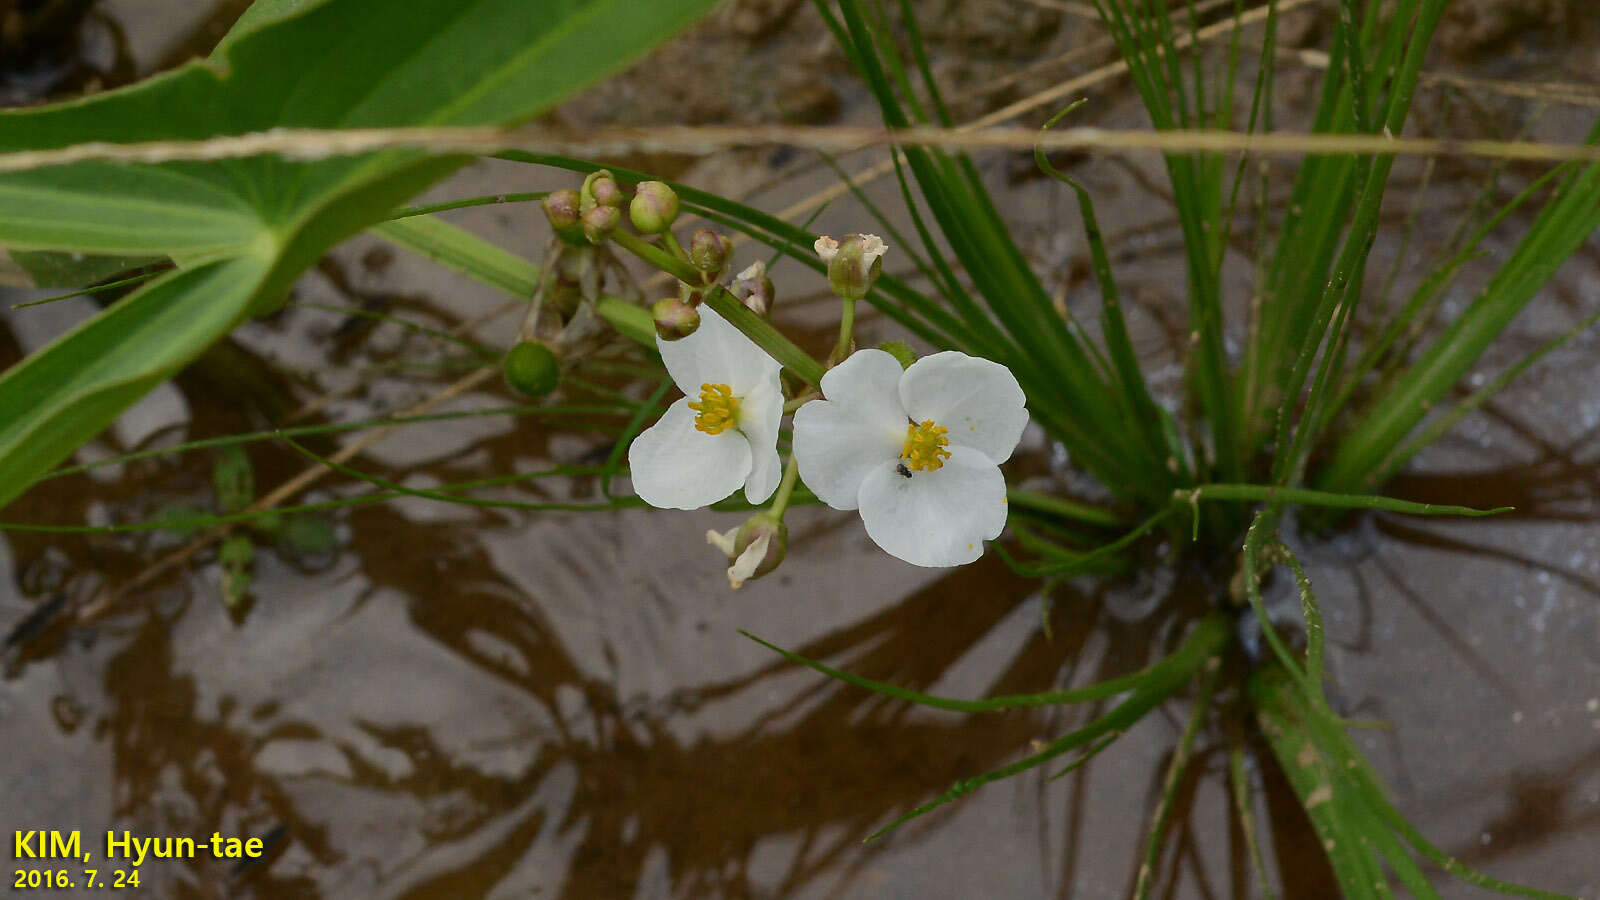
(718, 409)
(925, 446)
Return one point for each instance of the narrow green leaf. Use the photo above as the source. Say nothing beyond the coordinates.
(456, 248)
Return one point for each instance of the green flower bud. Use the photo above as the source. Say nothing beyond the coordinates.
(754, 289)
(531, 369)
(675, 319)
(753, 549)
(600, 189)
(853, 263)
(709, 252)
(654, 207)
(901, 351)
(599, 222)
(562, 209)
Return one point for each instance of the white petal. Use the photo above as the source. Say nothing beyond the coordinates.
(979, 400)
(745, 566)
(760, 413)
(717, 353)
(676, 467)
(860, 426)
(827, 248)
(868, 381)
(872, 247)
(722, 540)
(939, 517)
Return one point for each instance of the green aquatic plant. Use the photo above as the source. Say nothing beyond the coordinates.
(1309, 419)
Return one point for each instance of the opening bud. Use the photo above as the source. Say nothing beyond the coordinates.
(563, 210)
(599, 222)
(675, 319)
(531, 369)
(709, 252)
(600, 189)
(754, 289)
(753, 549)
(854, 263)
(654, 207)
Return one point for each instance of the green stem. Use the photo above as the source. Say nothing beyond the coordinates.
(805, 397)
(1210, 638)
(490, 200)
(630, 321)
(765, 336)
(1067, 509)
(1175, 771)
(1271, 494)
(780, 500)
(655, 256)
(847, 324)
(671, 240)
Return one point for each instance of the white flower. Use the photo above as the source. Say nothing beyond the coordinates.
(724, 433)
(917, 450)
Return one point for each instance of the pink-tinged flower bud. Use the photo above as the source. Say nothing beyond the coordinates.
(600, 189)
(709, 252)
(753, 549)
(599, 222)
(566, 218)
(531, 369)
(853, 263)
(675, 319)
(654, 207)
(754, 289)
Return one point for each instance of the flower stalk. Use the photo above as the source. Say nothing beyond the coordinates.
(847, 323)
(780, 500)
(657, 257)
(765, 336)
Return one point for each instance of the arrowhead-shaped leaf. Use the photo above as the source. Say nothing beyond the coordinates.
(244, 229)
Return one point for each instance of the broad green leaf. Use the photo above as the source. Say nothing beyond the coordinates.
(243, 229)
(66, 393)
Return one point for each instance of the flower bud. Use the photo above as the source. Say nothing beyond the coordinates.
(654, 207)
(531, 369)
(675, 319)
(566, 218)
(901, 351)
(600, 189)
(753, 549)
(599, 222)
(754, 289)
(853, 263)
(709, 252)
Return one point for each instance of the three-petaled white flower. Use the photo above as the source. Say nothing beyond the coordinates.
(917, 450)
(724, 433)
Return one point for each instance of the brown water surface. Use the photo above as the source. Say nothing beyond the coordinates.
(461, 702)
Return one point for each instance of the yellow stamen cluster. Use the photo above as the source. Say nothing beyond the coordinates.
(925, 446)
(718, 409)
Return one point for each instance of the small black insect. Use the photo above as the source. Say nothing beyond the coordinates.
(901, 468)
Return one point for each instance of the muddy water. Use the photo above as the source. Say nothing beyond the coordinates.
(462, 703)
